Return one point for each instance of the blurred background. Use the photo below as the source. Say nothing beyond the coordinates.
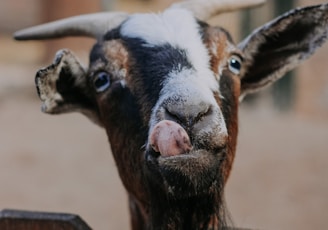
(63, 163)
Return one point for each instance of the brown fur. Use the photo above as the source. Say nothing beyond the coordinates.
(220, 48)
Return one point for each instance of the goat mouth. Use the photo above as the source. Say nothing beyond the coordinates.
(196, 156)
(180, 166)
(189, 174)
(170, 141)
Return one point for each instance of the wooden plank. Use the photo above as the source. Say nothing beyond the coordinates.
(29, 220)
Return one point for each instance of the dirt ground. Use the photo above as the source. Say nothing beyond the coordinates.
(63, 164)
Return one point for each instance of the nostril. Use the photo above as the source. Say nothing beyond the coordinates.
(187, 115)
(201, 115)
(174, 116)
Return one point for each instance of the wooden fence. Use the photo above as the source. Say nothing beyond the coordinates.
(30, 220)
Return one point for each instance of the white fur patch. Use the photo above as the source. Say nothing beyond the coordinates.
(194, 86)
(187, 84)
(194, 93)
(178, 28)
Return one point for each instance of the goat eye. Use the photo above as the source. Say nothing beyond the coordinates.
(235, 64)
(101, 81)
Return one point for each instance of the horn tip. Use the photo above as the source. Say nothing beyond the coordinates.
(21, 35)
(17, 36)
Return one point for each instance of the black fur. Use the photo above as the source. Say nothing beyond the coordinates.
(151, 66)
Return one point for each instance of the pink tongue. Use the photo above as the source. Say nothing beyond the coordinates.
(169, 139)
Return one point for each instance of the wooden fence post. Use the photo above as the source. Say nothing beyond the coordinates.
(28, 220)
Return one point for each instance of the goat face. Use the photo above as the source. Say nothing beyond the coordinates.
(180, 99)
(166, 88)
(167, 100)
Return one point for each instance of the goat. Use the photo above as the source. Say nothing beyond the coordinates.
(166, 88)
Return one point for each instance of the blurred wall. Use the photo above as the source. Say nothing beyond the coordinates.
(311, 92)
(16, 14)
(54, 10)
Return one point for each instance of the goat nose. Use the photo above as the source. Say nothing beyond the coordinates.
(186, 113)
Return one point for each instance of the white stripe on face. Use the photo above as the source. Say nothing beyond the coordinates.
(178, 28)
(193, 86)
(187, 93)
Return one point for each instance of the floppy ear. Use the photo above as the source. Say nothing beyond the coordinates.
(281, 45)
(63, 87)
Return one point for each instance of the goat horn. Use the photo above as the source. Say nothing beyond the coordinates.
(89, 25)
(205, 9)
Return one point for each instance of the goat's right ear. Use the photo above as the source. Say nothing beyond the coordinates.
(281, 45)
(63, 87)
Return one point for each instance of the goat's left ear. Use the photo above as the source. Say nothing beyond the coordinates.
(281, 45)
(63, 87)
